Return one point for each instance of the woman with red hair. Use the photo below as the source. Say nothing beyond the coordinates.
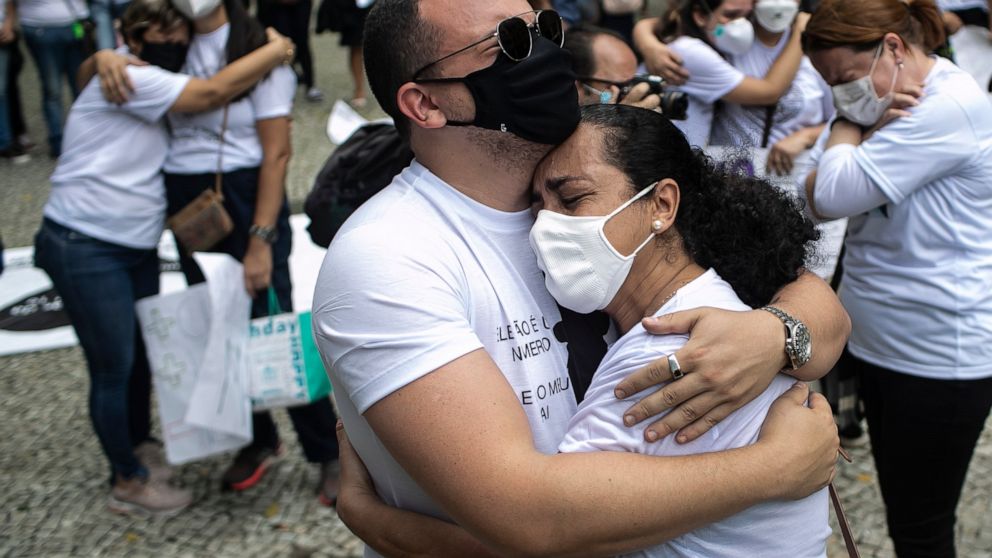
(909, 160)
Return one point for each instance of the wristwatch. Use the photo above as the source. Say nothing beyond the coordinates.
(268, 234)
(798, 342)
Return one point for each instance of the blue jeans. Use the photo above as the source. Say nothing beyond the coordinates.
(6, 136)
(57, 54)
(99, 283)
(104, 12)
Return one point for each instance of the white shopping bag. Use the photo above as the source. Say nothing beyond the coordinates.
(195, 341)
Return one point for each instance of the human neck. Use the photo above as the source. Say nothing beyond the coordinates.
(493, 177)
(917, 66)
(211, 22)
(650, 286)
(767, 38)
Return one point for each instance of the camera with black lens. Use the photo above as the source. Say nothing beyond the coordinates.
(674, 104)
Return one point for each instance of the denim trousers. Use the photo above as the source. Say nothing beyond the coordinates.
(99, 283)
(104, 12)
(58, 54)
(314, 423)
(6, 134)
(923, 433)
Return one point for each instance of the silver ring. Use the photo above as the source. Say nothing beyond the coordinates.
(674, 368)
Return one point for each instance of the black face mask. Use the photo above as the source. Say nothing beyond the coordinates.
(168, 56)
(534, 99)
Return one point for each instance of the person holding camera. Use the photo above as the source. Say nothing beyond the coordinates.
(605, 67)
(705, 34)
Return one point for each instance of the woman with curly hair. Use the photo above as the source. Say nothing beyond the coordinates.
(647, 231)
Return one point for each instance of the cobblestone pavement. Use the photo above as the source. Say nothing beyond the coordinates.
(53, 477)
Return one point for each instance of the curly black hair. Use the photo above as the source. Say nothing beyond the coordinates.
(754, 235)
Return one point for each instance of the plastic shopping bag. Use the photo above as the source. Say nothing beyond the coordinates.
(196, 342)
(284, 367)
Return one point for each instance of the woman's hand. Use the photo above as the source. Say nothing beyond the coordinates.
(803, 439)
(282, 43)
(258, 266)
(902, 100)
(115, 83)
(730, 358)
(357, 488)
(7, 33)
(783, 154)
(663, 61)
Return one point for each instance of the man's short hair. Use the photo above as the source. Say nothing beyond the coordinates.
(578, 41)
(397, 42)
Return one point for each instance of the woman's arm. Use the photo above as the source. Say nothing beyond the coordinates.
(235, 78)
(778, 80)
(659, 59)
(273, 133)
(731, 357)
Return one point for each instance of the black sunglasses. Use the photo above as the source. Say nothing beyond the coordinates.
(514, 36)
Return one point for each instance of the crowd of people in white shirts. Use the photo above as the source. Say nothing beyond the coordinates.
(481, 318)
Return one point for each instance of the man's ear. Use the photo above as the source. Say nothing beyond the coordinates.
(415, 102)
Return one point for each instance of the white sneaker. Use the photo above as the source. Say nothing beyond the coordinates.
(146, 498)
(315, 95)
(150, 455)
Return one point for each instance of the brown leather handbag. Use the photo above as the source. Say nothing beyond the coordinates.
(204, 222)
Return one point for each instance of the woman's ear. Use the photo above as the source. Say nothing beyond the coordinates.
(415, 102)
(666, 205)
(700, 17)
(895, 45)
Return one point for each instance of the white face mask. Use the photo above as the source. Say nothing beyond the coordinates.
(734, 37)
(582, 270)
(857, 101)
(195, 9)
(776, 15)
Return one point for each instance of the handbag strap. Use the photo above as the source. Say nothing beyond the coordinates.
(845, 527)
(274, 309)
(218, 177)
(766, 132)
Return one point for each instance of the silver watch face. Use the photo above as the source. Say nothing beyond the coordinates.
(802, 344)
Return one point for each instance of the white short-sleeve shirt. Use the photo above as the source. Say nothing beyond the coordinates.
(808, 102)
(918, 270)
(419, 276)
(795, 528)
(51, 13)
(711, 77)
(195, 144)
(108, 183)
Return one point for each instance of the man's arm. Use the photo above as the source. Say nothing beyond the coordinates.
(731, 357)
(474, 454)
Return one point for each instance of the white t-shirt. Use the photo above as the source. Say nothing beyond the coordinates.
(51, 13)
(419, 276)
(108, 182)
(808, 102)
(787, 528)
(949, 5)
(711, 77)
(918, 270)
(196, 136)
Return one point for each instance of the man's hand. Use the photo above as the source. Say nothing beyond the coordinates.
(115, 83)
(641, 96)
(804, 441)
(258, 266)
(730, 358)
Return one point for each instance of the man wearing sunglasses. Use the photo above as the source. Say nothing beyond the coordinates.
(448, 355)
